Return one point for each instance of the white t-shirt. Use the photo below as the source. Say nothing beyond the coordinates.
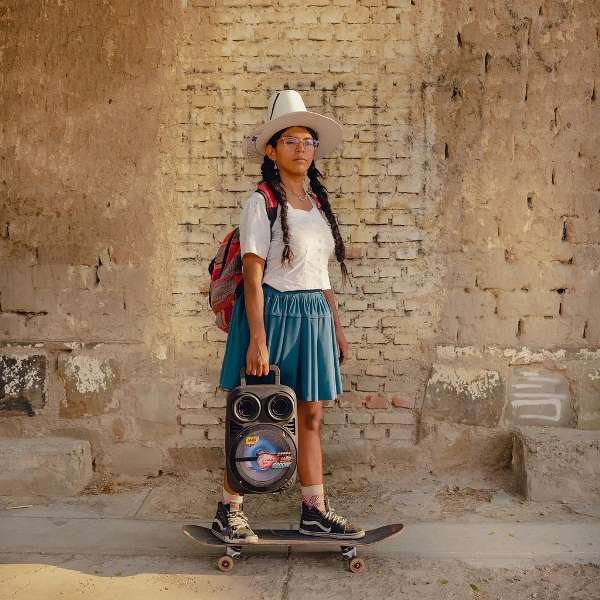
(311, 242)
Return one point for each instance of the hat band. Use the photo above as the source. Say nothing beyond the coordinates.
(273, 107)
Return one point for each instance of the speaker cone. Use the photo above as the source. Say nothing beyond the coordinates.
(246, 408)
(280, 407)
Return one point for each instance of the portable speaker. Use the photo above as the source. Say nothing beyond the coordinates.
(260, 435)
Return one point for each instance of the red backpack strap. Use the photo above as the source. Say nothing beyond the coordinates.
(270, 201)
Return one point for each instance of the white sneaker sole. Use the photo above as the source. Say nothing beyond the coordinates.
(253, 539)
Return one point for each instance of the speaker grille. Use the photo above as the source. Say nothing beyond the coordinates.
(234, 428)
(246, 407)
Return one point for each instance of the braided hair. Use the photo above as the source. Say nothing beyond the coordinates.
(270, 175)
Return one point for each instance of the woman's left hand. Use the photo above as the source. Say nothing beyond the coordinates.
(342, 344)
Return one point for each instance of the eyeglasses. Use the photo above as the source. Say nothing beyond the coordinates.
(292, 142)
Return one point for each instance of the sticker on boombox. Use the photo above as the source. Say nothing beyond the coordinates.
(267, 460)
(250, 440)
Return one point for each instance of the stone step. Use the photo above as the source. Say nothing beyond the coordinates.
(44, 466)
(556, 463)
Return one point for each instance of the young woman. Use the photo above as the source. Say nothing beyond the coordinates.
(287, 315)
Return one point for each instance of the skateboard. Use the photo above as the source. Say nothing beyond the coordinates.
(290, 538)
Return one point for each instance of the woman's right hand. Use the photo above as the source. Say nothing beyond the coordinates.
(257, 358)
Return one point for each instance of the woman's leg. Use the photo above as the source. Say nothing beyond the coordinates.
(230, 496)
(230, 524)
(310, 458)
(317, 517)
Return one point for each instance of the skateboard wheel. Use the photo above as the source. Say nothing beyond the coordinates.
(225, 563)
(356, 565)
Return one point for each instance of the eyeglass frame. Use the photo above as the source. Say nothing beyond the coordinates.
(312, 146)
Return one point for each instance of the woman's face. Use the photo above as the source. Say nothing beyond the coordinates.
(292, 159)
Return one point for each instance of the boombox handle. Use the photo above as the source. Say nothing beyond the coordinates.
(273, 368)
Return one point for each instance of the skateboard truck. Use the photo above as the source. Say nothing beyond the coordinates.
(233, 551)
(226, 562)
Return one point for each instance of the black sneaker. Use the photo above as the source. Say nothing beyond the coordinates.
(231, 526)
(327, 524)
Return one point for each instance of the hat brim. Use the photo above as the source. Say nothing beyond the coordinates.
(330, 132)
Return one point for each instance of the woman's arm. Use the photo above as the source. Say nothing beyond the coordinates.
(257, 356)
(339, 333)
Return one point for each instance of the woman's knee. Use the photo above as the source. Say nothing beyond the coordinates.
(309, 414)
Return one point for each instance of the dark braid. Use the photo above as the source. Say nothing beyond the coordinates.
(321, 191)
(271, 176)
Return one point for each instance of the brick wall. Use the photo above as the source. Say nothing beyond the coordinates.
(358, 63)
(467, 189)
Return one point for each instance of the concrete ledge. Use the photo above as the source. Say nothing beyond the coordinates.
(553, 463)
(44, 466)
(497, 543)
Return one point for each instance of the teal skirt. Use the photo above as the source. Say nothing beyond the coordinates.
(301, 342)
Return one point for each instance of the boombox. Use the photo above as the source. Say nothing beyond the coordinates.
(260, 436)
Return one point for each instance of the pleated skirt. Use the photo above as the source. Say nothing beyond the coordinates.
(300, 339)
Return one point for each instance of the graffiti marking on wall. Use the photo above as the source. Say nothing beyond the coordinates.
(538, 397)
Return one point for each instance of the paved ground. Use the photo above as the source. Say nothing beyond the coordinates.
(466, 537)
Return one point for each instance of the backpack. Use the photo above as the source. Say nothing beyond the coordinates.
(225, 268)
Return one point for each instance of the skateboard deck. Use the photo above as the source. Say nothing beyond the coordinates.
(290, 538)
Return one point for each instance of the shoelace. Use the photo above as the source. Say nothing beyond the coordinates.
(332, 516)
(238, 519)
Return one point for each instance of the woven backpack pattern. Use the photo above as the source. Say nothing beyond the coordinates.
(226, 267)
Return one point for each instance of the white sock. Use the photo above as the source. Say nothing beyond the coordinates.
(234, 500)
(314, 495)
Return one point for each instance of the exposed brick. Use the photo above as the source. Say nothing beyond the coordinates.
(345, 433)
(359, 418)
(219, 401)
(375, 288)
(402, 338)
(368, 384)
(377, 370)
(353, 305)
(358, 14)
(351, 400)
(367, 319)
(395, 353)
(406, 418)
(373, 433)
(189, 418)
(384, 304)
(216, 433)
(334, 418)
(354, 251)
(369, 354)
(332, 15)
(376, 401)
(401, 432)
(193, 433)
(376, 337)
(385, 15)
(401, 234)
(403, 402)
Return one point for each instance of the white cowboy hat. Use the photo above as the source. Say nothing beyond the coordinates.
(286, 109)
